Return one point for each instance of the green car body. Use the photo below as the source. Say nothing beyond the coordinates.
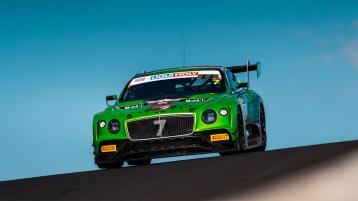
(137, 130)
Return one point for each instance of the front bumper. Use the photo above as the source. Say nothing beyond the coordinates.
(198, 142)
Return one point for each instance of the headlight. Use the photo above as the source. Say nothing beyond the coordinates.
(209, 116)
(102, 124)
(223, 112)
(113, 126)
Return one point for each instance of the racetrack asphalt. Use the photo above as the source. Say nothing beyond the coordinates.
(200, 179)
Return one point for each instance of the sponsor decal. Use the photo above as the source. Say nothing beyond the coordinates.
(139, 79)
(219, 137)
(174, 75)
(164, 101)
(163, 107)
(195, 100)
(162, 104)
(161, 76)
(109, 148)
(186, 74)
(213, 74)
(132, 106)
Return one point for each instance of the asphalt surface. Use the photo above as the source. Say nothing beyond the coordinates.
(200, 179)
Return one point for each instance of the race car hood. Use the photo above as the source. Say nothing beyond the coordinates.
(192, 104)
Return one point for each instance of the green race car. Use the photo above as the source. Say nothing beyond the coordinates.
(180, 111)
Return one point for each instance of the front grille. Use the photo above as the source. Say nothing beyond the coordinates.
(163, 126)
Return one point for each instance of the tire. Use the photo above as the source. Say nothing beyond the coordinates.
(242, 143)
(240, 132)
(263, 130)
(140, 162)
(110, 165)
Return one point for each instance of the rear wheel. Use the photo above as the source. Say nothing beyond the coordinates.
(140, 162)
(262, 147)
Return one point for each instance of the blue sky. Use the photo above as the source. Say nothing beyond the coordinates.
(59, 59)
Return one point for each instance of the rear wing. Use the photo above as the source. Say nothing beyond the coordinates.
(246, 69)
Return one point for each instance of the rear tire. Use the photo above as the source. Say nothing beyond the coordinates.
(140, 162)
(263, 130)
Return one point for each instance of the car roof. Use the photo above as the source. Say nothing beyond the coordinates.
(168, 70)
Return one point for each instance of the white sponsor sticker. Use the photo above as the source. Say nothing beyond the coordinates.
(174, 75)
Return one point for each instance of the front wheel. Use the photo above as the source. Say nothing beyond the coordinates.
(240, 142)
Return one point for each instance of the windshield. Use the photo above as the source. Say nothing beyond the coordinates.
(174, 85)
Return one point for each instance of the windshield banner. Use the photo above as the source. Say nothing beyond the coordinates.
(174, 75)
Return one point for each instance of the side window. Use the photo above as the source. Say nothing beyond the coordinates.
(179, 88)
(232, 79)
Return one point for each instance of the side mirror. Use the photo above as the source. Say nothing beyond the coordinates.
(111, 98)
(241, 85)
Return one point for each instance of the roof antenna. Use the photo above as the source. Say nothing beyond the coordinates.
(248, 74)
(182, 40)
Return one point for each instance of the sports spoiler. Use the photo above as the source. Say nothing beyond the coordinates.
(246, 68)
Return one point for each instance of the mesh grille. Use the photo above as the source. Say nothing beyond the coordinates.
(160, 127)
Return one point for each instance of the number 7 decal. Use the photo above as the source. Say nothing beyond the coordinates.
(161, 123)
